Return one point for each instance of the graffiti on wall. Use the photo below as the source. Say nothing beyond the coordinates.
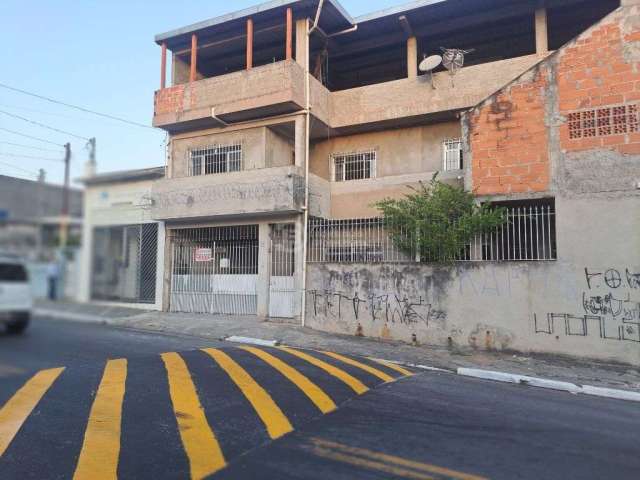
(389, 308)
(610, 308)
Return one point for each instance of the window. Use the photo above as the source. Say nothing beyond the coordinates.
(11, 272)
(452, 154)
(353, 166)
(215, 159)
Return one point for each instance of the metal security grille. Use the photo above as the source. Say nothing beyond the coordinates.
(124, 263)
(282, 281)
(215, 159)
(529, 234)
(215, 270)
(353, 166)
(604, 121)
(452, 154)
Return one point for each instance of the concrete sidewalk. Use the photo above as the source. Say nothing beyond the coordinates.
(559, 368)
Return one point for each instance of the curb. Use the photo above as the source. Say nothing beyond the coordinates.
(550, 384)
(78, 317)
(466, 372)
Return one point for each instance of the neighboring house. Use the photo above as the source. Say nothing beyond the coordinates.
(30, 217)
(250, 130)
(123, 249)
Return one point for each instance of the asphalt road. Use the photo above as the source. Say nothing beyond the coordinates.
(234, 413)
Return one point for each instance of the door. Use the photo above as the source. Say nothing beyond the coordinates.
(282, 291)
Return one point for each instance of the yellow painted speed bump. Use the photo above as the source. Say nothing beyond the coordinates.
(15, 412)
(101, 447)
(310, 389)
(349, 361)
(274, 419)
(199, 441)
(355, 384)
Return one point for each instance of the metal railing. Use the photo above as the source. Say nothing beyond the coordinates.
(528, 234)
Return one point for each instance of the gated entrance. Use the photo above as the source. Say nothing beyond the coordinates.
(215, 270)
(282, 292)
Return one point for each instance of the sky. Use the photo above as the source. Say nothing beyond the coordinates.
(99, 55)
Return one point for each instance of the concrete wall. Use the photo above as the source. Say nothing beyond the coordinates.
(404, 158)
(585, 304)
(125, 203)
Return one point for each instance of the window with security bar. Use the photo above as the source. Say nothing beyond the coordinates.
(215, 159)
(452, 154)
(353, 166)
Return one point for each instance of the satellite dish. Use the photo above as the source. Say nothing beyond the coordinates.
(430, 63)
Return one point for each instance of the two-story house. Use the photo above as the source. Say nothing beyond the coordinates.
(293, 114)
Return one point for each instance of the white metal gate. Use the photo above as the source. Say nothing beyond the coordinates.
(282, 291)
(215, 270)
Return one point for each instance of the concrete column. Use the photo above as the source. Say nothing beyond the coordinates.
(249, 44)
(86, 254)
(264, 268)
(412, 57)
(302, 43)
(163, 66)
(160, 258)
(194, 58)
(542, 36)
(166, 273)
(299, 266)
(289, 35)
(300, 140)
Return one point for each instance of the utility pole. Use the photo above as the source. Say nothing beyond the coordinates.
(64, 220)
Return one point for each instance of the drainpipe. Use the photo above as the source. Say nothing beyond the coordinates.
(307, 127)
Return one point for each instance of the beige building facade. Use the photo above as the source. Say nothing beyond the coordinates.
(289, 120)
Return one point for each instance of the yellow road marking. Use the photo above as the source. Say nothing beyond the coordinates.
(14, 413)
(373, 371)
(382, 461)
(353, 382)
(310, 389)
(393, 366)
(276, 422)
(199, 441)
(101, 446)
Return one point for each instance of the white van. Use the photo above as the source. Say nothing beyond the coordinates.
(16, 300)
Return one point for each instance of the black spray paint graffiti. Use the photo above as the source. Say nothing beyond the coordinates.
(612, 315)
(389, 308)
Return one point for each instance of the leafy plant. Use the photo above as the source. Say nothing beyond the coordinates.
(437, 220)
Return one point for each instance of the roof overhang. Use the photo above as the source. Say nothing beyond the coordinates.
(333, 18)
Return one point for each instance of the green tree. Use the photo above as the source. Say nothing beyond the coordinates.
(437, 219)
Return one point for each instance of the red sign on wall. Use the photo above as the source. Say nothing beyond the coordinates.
(203, 254)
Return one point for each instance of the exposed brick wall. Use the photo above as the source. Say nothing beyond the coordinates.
(508, 139)
(593, 104)
(169, 100)
(599, 87)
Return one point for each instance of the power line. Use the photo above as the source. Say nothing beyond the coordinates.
(30, 172)
(42, 125)
(82, 109)
(32, 147)
(31, 137)
(12, 155)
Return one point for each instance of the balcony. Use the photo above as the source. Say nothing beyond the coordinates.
(264, 191)
(401, 100)
(271, 89)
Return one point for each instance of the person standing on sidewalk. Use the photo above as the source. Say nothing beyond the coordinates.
(53, 272)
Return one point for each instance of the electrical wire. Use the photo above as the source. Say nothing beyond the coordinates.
(21, 145)
(12, 155)
(69, 105)
(42, 125)
(31, 137)
(30, 172)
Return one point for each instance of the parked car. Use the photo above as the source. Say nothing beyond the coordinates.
(16, 299)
